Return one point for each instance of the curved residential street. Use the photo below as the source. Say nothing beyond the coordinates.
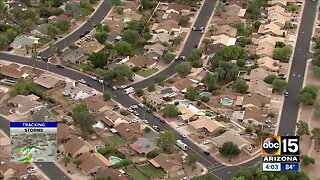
(290, 109)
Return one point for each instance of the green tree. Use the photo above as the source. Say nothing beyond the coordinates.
(2, 6)
(280, 44)
(184, 20)
(85, 119)
(170, 110)
(11, 34)
(316, 60)
(308, 94)
(53, 31)
(317, 111)
(99, 60)
(282, 54)
(302, 129)
(183, 69)
(4, 41)
(66, 160)
(270, 78)
(241, 62)
(139, 92)
(62, 25)
(191, 159)
(205, 99)
(151, 87)
(101, 37)
(243, 41)
(167, 57)
(160, 79)
(280, 85)
(240, 86)
(316, 135)
(19, 88)
(316, 71)
(107, 95)
(130, 36)
(123, 48)
(249, 129)
(166, 140)
(191, 93)
(227, 71)
(177, 40)
(121, 73)
(195, 55)
(306, 160)
(229, 149)
(210, 80)
(117, 2)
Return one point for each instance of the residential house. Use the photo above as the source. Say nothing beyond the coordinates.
(265, 49)
(141, 61)
(278, 18)
(282, 3)
(213, 48)
(224, 39)
(42, 115)
(182, 84)
(76, 146)
(154, 51)
(12, 170)
(256, 83)
(66, 132)
(226, 30)
(256, 100)
(235, 10)
(114, 174)
(40, 30)
(131, 5)
(177, 8)
(76, 56)
(116, 28)
(207, 124)
(96, 103)
(168, 26)
(92, 163)
(269, 64)
(74, 11)
(268, 38)
(157, 97)
(144, 145)
(25, 104)
(171, 164)
(76, 92)
(230, 136)
(188, 112)
(48, 81)
(279, 9)
(174, 16)
(168, 92)
(90, 47)
(197, 74)
(160, 38)
(24, 41)
(255, 116)
(271, 29)
(127, 16)
(109, 117)
(11, 71)
(129, 132)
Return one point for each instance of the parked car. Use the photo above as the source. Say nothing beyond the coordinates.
(89, 85)
(206, 142)
(87, 32)
(136, 113)
(149, 110)
(156, 128)
(60, 66)
(145, 121)
(123, 86)
(10, 49)
(156, 116)
(114, 88)
(194, 29)
(134, 106)
(193, 9)
(101, 81)
(32, 170)
(141, 105)
(82, 35)
(81, 81)
(183, 135)
(161, 120)
(130, 110)
(206, 152)
(286, 94)
(94, 78)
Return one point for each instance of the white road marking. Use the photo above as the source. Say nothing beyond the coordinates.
(293, 75)
(215, 175)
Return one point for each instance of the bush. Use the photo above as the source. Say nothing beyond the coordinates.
(153, 154)
(124, 162)
(147, 129)
(119, 154)
(269, 79)
(124, 112)
(205, 99)
(170, 81)
(107, 150)
(136, 69)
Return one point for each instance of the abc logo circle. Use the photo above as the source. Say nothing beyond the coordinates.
(271, 145)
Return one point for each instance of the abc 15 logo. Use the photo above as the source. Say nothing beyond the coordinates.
(280, 145)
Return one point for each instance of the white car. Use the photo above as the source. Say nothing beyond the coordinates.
(141, 105)
(130, 110)
(206, 142)
(123, 86)
(39, 57)
(183, 135)
(145, 121)
(32, 170)
(94, 78)
(136, 113)
(101, 81)
(134, 107)
(115, 88)
(82, 81)
(134, 121)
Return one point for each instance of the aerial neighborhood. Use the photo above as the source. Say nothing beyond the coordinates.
(158, 89)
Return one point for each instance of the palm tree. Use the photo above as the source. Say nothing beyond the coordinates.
(66, 160)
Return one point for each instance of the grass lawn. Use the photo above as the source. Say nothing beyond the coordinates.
(145, 72)
(152, 171)
(204, 177)
(116, 140)
(136, 174)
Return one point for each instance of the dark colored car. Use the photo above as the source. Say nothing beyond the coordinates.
(89, 85)
(162, 120)
(149, 110)
(10, 49)
(82, 35)
(60, 66)
(46, 59)
(206, 152)
(87, 32)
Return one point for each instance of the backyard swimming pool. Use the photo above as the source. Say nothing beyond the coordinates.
(99, 124)
(204, 94)
(115, 159)
(183, 101)
(226, 101)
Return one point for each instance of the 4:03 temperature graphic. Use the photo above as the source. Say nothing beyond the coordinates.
(280, 166)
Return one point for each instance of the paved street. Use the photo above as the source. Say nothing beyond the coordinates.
(291, 103)
(193, 39)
